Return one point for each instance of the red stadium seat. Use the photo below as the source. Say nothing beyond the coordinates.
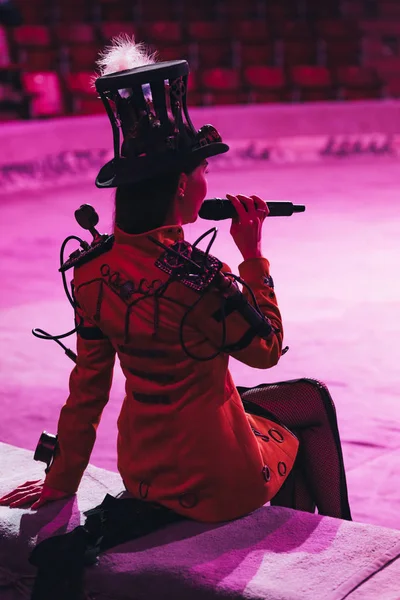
(277, 10)
(83, 96)
(82, 83)
(372, 48)
(45, 92)
(83, 57)
(267, 84)
(358, 83)
(157, 10)
(194, 96)
(251, 31)
(37, 36)
(71, 11)
(208, 55)
(169, 32)
(256, 54)
(174, 52)
(75, 33)
(315, 9)
(337, 29)
(5, 54)
(33, 48)
(113, 29)
(238, 11)
(299, 52)
(206, 10)
(222, 86)
(342, 52)
(207, 31)
(380, 28)
(311, 83)
(385, 67)
(38, 59)
(353, 9)
(34, 13)
(392, 87)
(298, 30)
(115, 10)
(389, 9)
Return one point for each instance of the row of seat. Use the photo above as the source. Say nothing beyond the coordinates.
(39, 11)
(52, 95)
(75, 58)
(173, 31)
(76, 46)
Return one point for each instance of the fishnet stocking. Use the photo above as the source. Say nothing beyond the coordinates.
(306, 408)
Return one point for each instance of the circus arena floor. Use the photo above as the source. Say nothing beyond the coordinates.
(336, 272)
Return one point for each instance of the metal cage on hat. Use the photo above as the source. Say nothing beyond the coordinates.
(149, 106)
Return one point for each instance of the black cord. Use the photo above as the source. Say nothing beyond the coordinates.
(223, 341)
(214, 231)
(84, 245)
(248, 288)
(47, 336)
(43, 335)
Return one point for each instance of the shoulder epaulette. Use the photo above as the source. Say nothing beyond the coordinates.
(180, 261)
(81, 257)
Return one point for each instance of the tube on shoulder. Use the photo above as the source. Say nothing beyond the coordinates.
(218, 209)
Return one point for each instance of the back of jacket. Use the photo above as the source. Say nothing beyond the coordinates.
(184, 438)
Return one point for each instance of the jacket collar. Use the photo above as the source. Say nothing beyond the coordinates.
(168, 235)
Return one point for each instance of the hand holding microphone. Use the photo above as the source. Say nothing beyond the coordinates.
(246, 226)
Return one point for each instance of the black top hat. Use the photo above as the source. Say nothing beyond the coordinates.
(149, 105)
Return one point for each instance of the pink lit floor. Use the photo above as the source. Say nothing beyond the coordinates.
(336, 272)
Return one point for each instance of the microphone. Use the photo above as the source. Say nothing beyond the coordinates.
(217, 209)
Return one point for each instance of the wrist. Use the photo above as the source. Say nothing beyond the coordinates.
(251, 255)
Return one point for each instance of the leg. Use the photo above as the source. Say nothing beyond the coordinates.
(306, 407)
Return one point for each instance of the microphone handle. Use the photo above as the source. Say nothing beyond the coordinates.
(218, 209)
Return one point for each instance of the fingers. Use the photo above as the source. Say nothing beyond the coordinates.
(238, 206)
(21, 497)
(24, 487)
(21, 491)
(261, 205)
(248, 207)
(26, 500)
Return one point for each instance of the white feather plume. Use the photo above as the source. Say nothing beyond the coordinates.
(124, 53)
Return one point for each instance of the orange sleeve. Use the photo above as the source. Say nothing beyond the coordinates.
(89, 389)
(242, 340)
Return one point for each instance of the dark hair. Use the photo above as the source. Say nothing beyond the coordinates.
(143, 206)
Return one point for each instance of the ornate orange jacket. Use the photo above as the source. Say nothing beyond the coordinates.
(184, 439)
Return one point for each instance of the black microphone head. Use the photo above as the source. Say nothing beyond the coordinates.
(298, 208)
(217, 209)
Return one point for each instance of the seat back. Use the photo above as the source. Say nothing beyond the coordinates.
(111, 29)
(162, 31)
(74, 33)
(262, 77)
(45, 91)
(4, 48)
(37, 36)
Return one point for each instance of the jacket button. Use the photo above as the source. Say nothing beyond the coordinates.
(188, 500)
(143, 489)
(282, 469)
(266, 473)
(276, 435)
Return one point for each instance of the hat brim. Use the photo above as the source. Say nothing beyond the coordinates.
(123, 171)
